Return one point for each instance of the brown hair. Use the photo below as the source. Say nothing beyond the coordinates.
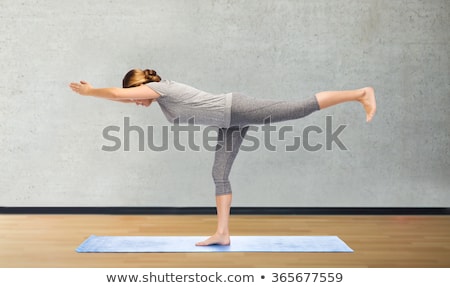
(137, 77)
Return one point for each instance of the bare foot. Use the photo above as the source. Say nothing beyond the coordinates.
(216, 239)
(369, 103)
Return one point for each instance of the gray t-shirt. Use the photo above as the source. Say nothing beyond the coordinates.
(180, 101)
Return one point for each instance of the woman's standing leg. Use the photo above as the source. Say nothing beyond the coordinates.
(228, 144)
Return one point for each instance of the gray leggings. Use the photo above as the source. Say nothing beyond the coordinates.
(245, 111)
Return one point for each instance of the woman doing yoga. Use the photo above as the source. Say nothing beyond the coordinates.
(232, 113)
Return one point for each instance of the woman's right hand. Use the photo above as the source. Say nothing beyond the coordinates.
(81, 88)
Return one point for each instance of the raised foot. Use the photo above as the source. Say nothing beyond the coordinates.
(216, 239)
(369, 103)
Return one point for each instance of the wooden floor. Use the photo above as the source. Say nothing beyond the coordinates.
(378, 241)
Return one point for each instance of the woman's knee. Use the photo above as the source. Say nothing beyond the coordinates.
(222, 183)
(222, 187)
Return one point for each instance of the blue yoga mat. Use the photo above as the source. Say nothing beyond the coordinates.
(159, 244)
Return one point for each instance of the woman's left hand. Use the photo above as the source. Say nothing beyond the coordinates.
(81, 88)
(143, 102)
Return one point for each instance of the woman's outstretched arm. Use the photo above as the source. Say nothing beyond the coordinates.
(136, 93)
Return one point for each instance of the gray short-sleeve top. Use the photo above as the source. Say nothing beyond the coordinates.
(183, 102)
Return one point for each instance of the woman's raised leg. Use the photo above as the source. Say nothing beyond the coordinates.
(365, 96)
(246, 110)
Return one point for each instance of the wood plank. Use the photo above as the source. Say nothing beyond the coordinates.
(378, 241)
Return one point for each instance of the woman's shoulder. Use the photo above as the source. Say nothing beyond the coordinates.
(162, 82)
(162, 87)
(170, 87)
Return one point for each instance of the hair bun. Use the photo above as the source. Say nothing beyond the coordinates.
(151, 75)
(149, 72)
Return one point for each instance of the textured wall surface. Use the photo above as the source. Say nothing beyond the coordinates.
(51, 139)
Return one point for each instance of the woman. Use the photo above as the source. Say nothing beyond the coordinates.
(231, 112)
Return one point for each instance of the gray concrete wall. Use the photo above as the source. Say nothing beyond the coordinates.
(51, 139)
